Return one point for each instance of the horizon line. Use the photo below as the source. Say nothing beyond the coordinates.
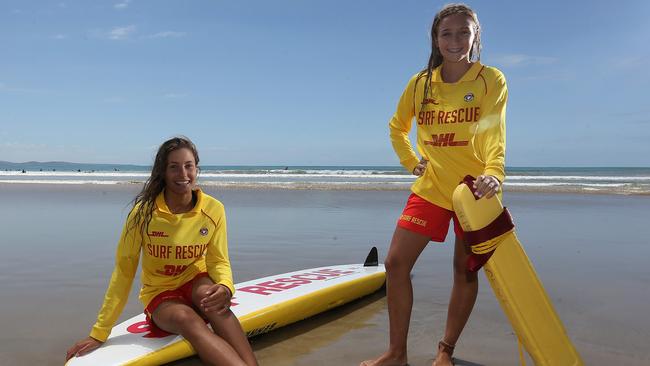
(308, 165)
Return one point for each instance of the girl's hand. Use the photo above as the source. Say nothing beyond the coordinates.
(419, 169)
(217, 299)
(83, 347)
(486, 185)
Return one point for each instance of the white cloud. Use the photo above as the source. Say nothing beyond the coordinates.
(122, 5)
(120, 33)
(59, 36)
(522, 60)
(167, 34)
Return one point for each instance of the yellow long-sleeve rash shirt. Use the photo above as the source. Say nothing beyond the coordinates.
(461, 130)
(175, 248)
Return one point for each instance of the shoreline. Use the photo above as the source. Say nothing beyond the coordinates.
(329, 186)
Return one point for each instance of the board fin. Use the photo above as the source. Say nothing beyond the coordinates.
(372, 260)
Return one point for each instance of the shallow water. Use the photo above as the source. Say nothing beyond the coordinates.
(58, 244)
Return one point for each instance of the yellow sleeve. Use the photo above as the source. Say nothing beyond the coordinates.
(117, 294)
(216, 257)
(400, 126)
(491, 134)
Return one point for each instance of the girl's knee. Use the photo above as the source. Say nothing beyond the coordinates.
(395, 265)
(186, 318)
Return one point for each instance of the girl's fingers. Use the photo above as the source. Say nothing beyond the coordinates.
(478, 186)
(83, 350)
(209, 304)
(217, 297)
(419, 169)
(87, 348)
(486, 186)
(219, 309)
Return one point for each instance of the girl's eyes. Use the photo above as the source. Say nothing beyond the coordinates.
(187, 166)
(449, 34)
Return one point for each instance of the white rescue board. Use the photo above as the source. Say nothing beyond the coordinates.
(261, 305)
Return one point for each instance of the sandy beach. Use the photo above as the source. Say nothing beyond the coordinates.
(58, 244)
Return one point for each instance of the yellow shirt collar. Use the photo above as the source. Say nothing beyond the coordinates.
(161, 205)
(471, 74)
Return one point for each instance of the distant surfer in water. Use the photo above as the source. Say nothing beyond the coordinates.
(459, 105)
(187, 281)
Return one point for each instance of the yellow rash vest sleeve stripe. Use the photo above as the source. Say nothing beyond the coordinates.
(460, 130)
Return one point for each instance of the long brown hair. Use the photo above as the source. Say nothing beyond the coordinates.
(145, 202)
(435, 59)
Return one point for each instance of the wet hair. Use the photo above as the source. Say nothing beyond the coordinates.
(435, 59)
(145, 202)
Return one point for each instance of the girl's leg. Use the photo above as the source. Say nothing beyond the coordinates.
(461, 303)
(225, 325)
(405, 248)
(178, 318)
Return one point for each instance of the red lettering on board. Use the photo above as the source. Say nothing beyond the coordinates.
(282, 284)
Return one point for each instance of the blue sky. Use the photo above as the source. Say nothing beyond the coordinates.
(308, 82)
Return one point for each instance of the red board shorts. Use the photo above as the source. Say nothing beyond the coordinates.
(182, 294)
(423, 217)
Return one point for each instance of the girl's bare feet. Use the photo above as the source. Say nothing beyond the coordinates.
(443, 358)
(387, 359)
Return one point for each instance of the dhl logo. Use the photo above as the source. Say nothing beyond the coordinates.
(444, 140)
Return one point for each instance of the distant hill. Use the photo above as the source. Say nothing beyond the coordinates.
(68, 166)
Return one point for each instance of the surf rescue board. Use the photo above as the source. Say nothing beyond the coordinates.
(261, 306)
(513, 279)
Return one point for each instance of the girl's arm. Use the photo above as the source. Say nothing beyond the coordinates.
(217, 260)
(126, 265)
(491, 133)
(400, 126)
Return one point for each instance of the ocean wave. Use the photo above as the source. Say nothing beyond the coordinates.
(369, 174)
(581, 180)
(556, 187)
(308, 172)
(579, 177)
(74, 174)
(64, 181)
(554, 184)
(225, 174)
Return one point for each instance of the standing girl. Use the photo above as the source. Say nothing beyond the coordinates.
(186, 276)
(459, 105)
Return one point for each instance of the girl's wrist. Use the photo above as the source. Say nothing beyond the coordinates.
(227, 289)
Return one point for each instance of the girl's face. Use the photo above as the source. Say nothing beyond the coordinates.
(455, 37)
(180, 173)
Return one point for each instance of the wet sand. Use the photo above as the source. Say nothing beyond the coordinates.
(58, 244)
